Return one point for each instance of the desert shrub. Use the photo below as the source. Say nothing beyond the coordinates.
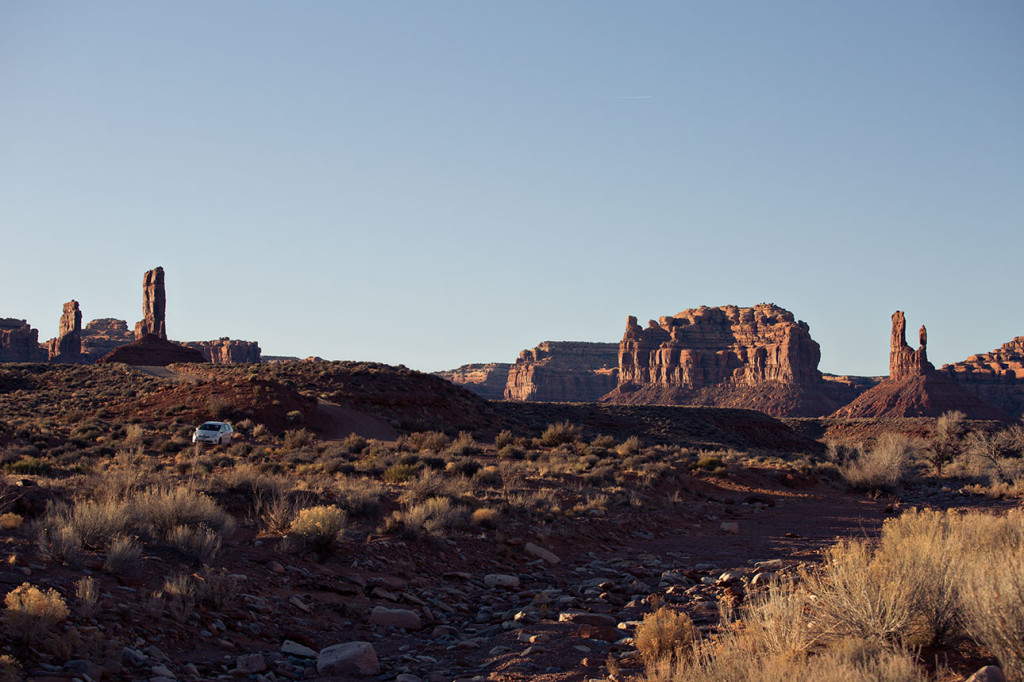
(96, 523)
(710, 463)
(463, 467)
(883, 466)
(463, 446)
(198, 544)
(260, 432)
(317, 528)
(10, 521)
(218, 406)
(432, 518)
(179, 596)
(946, 441)
(511, 452)
(924, 548)
(358, 496)
(31, 612)
(354, 443)
(399, 473)
(489, 475)
(604, 442)
(275, 511)
(59, 544)
(433, 484)
(29, 466)
(630, 446)
(216, 588)
(297, 438)
(485, 517)
(429, 440)
(166, 508)
(503, 439)
(123, 552)
(88, 596)
(560, 434)
(861, 596)
(665, 635)
(993, 594)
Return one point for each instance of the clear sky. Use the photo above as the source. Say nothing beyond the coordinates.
(434, 183)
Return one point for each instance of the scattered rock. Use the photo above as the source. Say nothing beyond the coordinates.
(397, 618)
(348, 658)
(540, 553)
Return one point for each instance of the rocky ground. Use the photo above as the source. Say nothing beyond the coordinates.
(504, 604)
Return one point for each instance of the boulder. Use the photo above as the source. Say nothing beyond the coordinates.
(349, 658)
(397, 618)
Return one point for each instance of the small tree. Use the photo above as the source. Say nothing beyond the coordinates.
(947, 440)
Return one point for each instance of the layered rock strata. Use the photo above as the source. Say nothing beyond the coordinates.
(224, 351)
(486, 380)
(19, 342)
(152, 351)
(996, 377)
(563, 371)
(154, 303)
(706, 346)
(67, 347)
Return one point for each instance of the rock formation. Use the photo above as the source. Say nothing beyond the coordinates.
(705, 346)
(19, 342)
(226, 351)
(154, 302)
(486, 380)
(104, 335)
(563, 371)
(904, 361)
(914, 388)
(996, 377)
(756, 358)
(153, 351)
(67, 347)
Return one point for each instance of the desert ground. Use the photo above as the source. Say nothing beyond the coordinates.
(371, 522)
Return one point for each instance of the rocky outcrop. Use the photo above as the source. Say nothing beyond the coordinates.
(904, 361)
(707, 346)
(154, 303)
(67, 347)
(486, 380)
(563, 371)
(914, 388)
(152, 351)
(758, 358)
(225, 351)
(996, 377)
(19, 342)
(104, 335)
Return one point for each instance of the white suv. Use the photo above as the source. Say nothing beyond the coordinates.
(217, 433)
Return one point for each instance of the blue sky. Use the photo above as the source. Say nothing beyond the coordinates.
(438, 183)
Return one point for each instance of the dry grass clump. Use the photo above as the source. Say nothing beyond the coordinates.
(665, 636)
(560, 434)
(934, 577)
(883, 466)
(31, 612)
(317, 528)
(431, 519)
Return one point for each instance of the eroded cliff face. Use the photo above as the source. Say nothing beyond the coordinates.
(486, 380)
(563, 371)
(104, 335)
(225, 351)
(725, 345)
(996, 377)
(19, 342)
